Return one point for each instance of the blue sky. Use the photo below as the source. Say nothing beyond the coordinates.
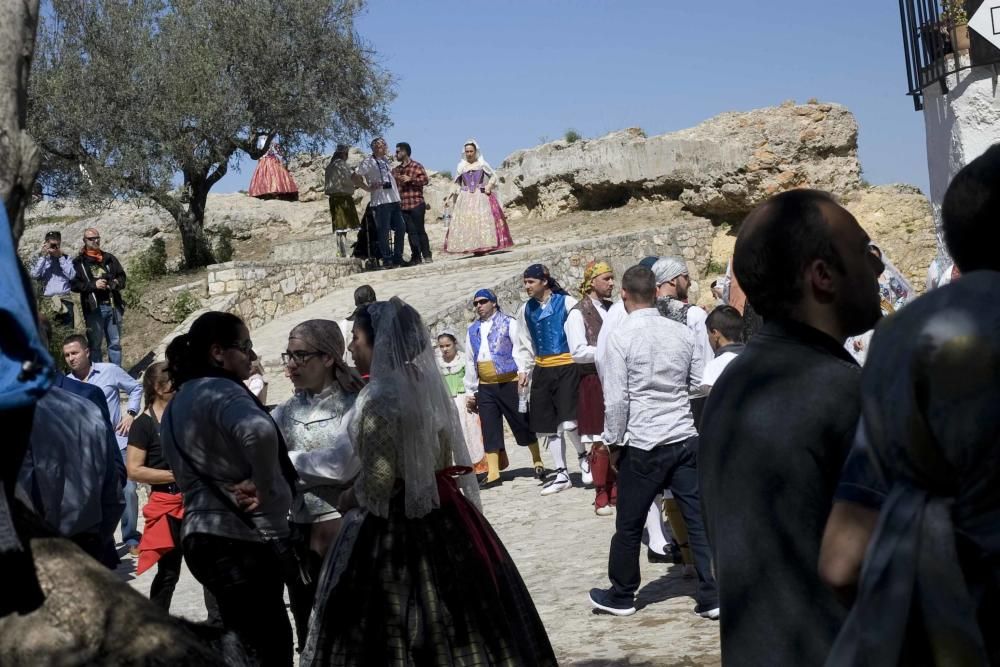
(513, 73)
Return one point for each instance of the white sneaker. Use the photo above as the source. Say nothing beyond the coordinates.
(604, 511)
(558, 483)
(711, 614)
(585, 475)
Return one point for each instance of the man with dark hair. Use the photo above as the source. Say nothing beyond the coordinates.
(412, 177)
(725, 335)
(545, 361)
(777, 430)
(920, 492)
(111, 380)
(491, 383)
(100, 278)
(651, 364)
(375, 176)
(54, 270)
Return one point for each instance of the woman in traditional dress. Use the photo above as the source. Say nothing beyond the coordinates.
(451, 363)
(418, 576)
(339, 187)
(478, 224)
(271, 180)
(311, 420)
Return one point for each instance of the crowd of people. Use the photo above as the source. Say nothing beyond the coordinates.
(830, 514)
(396, 207)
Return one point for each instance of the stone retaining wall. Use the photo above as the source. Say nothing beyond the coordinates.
(264, 290)
(692, 239)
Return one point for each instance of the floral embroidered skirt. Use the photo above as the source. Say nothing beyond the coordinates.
(478, 224)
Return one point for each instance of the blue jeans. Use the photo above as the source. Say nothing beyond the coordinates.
(390, 217)
(105, 322)
(130, 517)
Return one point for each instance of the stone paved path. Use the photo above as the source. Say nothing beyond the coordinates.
(561, 549)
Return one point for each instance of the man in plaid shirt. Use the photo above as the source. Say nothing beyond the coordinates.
(411, 179)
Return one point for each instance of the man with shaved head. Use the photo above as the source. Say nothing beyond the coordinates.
(100, 279)
(776, 433)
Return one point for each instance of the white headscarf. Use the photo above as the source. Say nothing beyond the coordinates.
(479, 163)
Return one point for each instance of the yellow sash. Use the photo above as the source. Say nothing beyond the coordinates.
(488, 374)
(551, 360)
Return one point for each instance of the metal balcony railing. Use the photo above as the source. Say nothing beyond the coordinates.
(931, 46)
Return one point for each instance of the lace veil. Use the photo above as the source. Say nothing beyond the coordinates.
(407, 388)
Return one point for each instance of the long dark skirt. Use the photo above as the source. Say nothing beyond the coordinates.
(438, 590)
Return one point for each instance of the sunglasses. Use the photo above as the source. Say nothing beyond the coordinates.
(246, 347)
(91, 238)
(479, 302)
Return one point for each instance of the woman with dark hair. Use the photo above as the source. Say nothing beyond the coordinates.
(146, 464)
(418, 576)
(231, 464)
(325, 389)
(451, 362)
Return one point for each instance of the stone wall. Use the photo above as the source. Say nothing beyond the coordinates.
(264, 290)
(567, 261)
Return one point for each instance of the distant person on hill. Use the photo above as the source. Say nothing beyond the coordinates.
(339, 187)
(375, 176)
(411, 178)
(363, 296)
(54, 270)
(478, 224)
(99, 278)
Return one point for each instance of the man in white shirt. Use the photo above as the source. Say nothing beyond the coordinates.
(583, 325)
(546, 362)
(725, 333)
(491, 384)
(375, 175)
(652, 363)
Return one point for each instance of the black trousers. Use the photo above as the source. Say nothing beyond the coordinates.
(389, 218)
(498, 402)
(168, 572)
(641, 475)
(416, 232)
(246, 580)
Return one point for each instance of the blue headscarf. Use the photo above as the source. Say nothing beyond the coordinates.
(485, 294)
(541, 272)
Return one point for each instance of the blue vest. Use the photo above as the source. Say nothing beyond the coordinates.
(546, 325)
(501, 346)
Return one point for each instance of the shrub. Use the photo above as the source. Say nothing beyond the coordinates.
(149, 264)
(715, 268)
(572, 136)
(185, 304)
(223, 249)
(447, 174)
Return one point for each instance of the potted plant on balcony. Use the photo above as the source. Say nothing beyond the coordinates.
(954, 16)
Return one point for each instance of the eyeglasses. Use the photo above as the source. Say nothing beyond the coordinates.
(299, 357)
(91, 238)
(479, 302)
(246, 347)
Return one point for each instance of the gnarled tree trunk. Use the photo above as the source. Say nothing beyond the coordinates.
(19, 157)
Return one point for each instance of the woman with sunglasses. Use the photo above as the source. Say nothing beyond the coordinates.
(230, 462)
(325, 389)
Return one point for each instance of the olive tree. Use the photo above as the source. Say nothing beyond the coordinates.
(156, 99)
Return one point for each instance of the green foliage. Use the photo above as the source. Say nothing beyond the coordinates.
(57, 331)
(953, 11)
(185, 304)
(143, 268)
(715, 268)
(572, 136)
(223, 249)
(446, 174)
(124, 97)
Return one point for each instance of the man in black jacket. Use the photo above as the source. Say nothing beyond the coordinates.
(776, 432)
(99, 280)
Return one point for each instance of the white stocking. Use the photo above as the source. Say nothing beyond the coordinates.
(570, 433)
(557, 446)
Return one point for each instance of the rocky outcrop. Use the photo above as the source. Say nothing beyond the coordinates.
(720, 168)
(91, 618)
(898, 218)
(900, 221)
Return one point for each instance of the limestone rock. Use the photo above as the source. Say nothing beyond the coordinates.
(722, 167)
(900, 221)
(91, 618)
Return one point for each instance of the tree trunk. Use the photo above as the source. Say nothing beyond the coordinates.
(191, 222)
(19, 157)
